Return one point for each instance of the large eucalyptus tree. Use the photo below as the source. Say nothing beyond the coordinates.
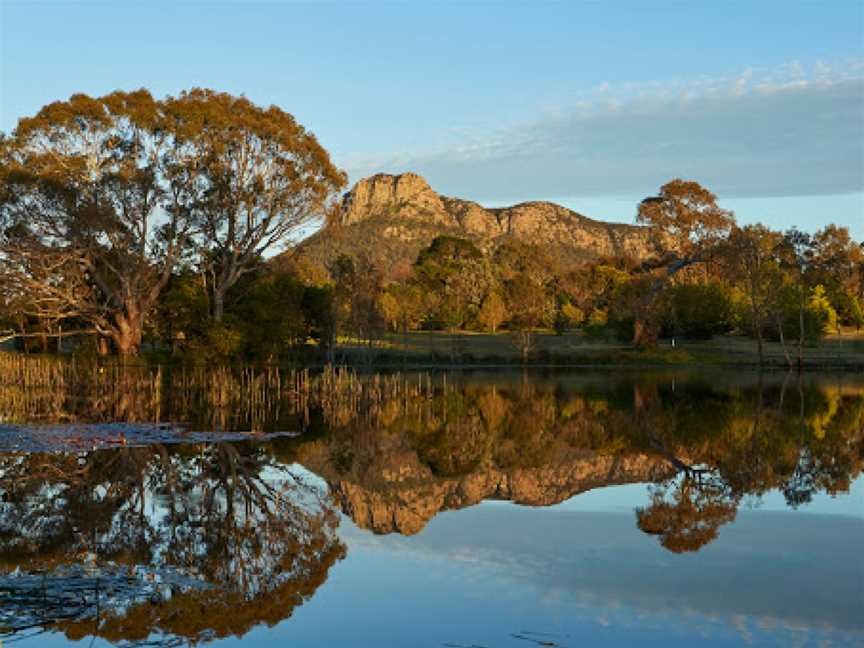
(264, 178)
(687, 225)
(102, 198)
(94, 211)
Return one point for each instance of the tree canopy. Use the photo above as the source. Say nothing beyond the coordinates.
(102, 199)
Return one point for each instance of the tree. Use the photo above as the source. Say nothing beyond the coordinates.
(686, 220)
(101, 199)
(401, 304)
(263, 176)
(94, 212)
(270, 314)
(357, 292)
(637, 304)
(796, 254)
(390, 309)
(182, 313)
(493, 311)
(837, 263)
(751, 257)
(819, 304)
(569, 315)
(699, 310)
(528, 305)
(455, 272)
(444, 256)
(686, 226)
(319, 306)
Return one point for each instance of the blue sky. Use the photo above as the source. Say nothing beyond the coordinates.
(591, 104)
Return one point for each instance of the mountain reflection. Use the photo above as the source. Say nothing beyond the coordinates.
(168, 544)
(705, 447)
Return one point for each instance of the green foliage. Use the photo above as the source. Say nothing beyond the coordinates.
(595, 325)
(822, 310)
(224, 340)
(402, 305)
(527, 302)
(318, 307)
(699, 311)
(183, 311)
(627, 304)
(795, 309)
(271, 316)
(569, 316)
(849, 307)
(455, 277)
(267, 315)
(356, 298)
(444, 257)
(452, 312)
(853, 310)
(493, 312)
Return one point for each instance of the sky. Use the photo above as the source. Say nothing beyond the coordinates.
(592, 105)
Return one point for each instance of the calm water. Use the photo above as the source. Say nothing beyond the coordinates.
(479, 509)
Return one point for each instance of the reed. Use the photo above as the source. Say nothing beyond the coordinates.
(44, 388)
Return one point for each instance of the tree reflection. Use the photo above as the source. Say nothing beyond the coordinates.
(746, 442)
(198, 542)
(705, 446)
(690, 518)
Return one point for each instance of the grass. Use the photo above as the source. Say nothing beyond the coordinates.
(845, 350)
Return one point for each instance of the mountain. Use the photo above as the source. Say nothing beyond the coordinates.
(399, 494)
(390, 218)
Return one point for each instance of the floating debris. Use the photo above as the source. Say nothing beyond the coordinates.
(89, 437)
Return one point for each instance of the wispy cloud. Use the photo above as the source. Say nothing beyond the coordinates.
(785, 131)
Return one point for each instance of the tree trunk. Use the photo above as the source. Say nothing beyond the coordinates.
(128, 331)
(760, 345)
(126, 341)
(783, 341)
(640, 325)
(801, 330)
(642, 335)
(218, 304)
(757, 325)
(524, 342)
(638, 332)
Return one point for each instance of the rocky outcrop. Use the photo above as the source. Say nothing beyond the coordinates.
(398, 494)
(392, 217)
(407, 195)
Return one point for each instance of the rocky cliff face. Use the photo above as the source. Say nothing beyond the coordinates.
(407, 195)
(392, 217)
(399, 494)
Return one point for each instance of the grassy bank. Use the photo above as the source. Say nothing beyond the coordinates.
(845, 351)
(436, 349)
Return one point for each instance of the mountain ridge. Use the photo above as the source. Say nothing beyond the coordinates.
(390, 218)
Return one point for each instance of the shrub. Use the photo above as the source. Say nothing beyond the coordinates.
(595, 325)
(823, 312)
(699, 311)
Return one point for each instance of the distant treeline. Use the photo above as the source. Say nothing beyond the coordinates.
(139, 222)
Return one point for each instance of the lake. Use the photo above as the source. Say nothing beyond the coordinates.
(160, 507)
